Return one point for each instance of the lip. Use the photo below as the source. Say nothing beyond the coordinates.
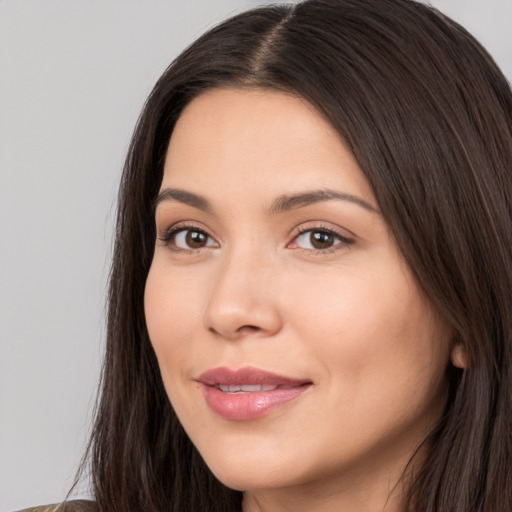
(244, 405)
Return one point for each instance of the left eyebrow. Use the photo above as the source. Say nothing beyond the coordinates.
(285, 203)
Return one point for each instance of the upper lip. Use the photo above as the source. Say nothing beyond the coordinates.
(248, 376)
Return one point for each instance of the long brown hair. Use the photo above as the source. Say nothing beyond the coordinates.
(427, 114)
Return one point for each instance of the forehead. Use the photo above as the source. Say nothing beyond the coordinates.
(249, 138)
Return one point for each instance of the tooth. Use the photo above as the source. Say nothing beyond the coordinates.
(246, 388)
(249, 388)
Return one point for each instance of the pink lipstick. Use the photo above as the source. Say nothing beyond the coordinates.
(248, 393)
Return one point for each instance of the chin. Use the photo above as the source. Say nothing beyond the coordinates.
(247, 479)
(243, 470)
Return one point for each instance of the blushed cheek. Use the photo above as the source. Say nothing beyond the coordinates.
(376, 323)
(172, 309)
(168, 303)
(337, 317)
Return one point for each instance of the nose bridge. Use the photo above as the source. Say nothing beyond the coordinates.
(241, 299)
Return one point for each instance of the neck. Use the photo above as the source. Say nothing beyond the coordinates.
(387, 498)
(374, 489)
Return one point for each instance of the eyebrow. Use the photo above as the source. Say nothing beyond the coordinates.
(291, 202)
(281, 204)
(182, 196)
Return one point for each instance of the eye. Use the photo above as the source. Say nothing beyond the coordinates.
(319, 239)
(188, 238)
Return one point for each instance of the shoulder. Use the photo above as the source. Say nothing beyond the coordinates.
(69, 506)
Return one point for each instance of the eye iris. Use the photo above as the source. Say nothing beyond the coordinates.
(321, 239)
(196, 239)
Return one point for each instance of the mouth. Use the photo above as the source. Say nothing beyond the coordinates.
(248, 393)
(248, 388)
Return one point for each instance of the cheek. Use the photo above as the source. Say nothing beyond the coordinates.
(382, 356)
(172, 306)
(172, 309)
(371, 329)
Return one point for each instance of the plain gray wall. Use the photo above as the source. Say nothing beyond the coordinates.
(73, 77)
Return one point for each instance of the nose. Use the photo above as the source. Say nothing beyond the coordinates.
(243, 301)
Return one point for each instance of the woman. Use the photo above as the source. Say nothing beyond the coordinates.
(310, 295)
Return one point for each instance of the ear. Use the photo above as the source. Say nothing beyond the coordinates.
(458, 355)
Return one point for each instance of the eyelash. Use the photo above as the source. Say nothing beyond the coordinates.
(344, 241)
(168, 238)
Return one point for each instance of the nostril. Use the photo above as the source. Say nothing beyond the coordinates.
(244, 329)
(248, 328)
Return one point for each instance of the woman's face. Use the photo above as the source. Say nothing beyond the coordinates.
(294, 343)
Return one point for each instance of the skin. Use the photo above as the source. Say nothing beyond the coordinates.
(350, 318)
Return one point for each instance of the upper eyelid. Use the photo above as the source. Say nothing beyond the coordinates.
(168, 233)
(323, 226)
(305, 227)
(342, 238)
(183, 226)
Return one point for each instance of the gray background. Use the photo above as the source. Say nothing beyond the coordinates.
(73, 77)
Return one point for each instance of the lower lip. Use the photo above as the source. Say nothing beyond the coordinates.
(249, 406)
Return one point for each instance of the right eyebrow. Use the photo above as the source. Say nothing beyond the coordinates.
(182, 196)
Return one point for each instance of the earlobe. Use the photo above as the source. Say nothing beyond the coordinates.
(458, 355)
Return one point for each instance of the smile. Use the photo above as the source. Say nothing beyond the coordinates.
(248, 388)
(248, 393)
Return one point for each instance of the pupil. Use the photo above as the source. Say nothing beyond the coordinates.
(321, 240)
(195, 239)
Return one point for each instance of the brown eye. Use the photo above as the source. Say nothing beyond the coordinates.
(196, 239)
(191, 238)
(321, 239)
